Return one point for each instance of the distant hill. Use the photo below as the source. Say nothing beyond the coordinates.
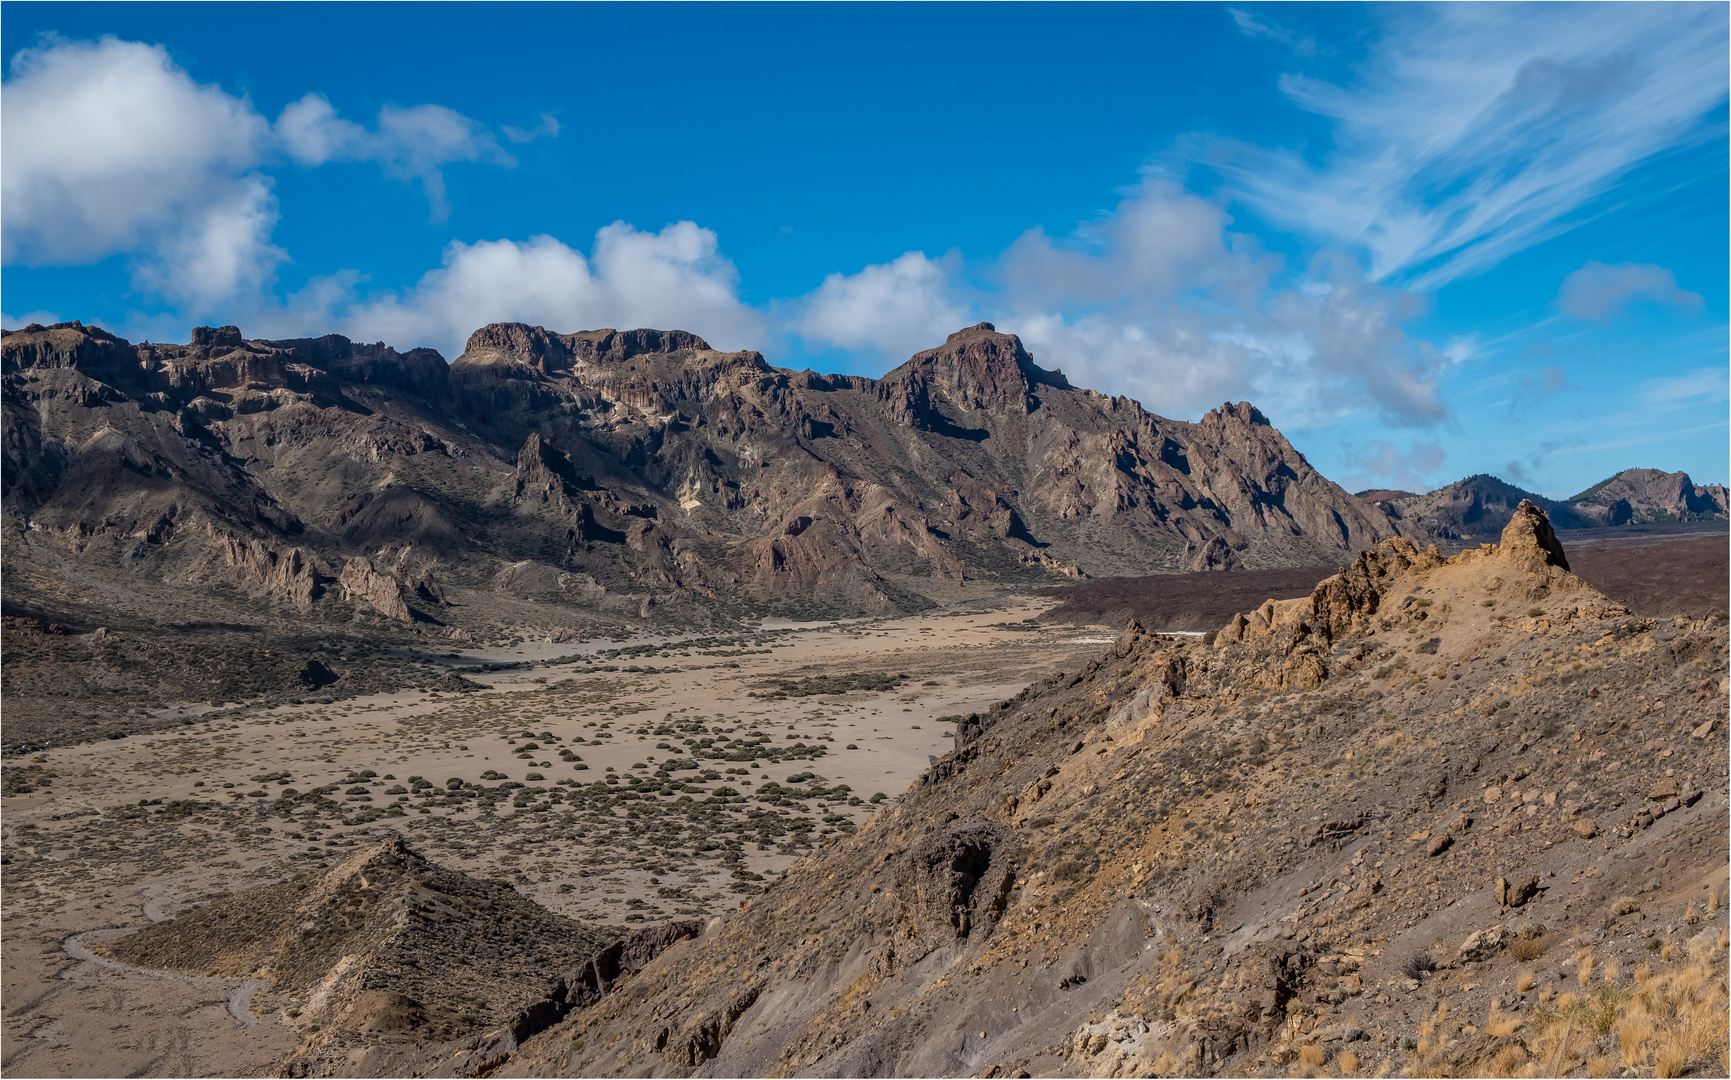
(1480, 506)
(1642, 495)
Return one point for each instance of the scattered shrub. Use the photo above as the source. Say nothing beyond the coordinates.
(1417, 964)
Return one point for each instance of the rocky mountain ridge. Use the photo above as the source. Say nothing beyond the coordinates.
(633, 472)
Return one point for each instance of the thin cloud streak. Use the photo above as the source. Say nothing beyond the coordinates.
(1476, 131)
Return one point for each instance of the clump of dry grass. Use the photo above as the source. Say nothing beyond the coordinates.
(1523, 982)
(1613, 970)
(1625, 905)
(1585, 974)
(1665, 1021)
(1508, 1058)
(1348, 1061)
(1311, 1056)
(1690, 915)
(1633, 1032)
(1500, 1024)
(1713, 900)
(1558, 1046)
(1528, 949)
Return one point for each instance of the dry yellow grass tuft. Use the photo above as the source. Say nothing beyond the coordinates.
(1633, 1032)
(1312, 1056)
(1713, 899)
(1528, 949)
(1500, 1024)
(1507, 1059)
(1523, 982)
(1690, 915)
(1557, 1048)
(1613, 970)
(1585, 974)
(1348, 1061)
(1666, 1021)
(1669, 1062)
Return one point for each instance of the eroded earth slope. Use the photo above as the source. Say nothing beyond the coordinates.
(1445, 815)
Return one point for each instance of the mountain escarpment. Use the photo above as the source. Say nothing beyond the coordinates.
(629, 473)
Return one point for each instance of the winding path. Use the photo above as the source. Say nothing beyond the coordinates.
(240, 992)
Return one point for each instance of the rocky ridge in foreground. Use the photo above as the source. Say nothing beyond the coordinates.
(1443, 815)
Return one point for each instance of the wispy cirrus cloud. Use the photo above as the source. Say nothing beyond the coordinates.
(1253, 24)
(1473, 131)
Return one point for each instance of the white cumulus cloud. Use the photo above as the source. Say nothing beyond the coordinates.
(409, 144)
(111, 148)
(894, 309)
(1160, 300)
(672, 279)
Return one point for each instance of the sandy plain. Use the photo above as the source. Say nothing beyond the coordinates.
(737, 757)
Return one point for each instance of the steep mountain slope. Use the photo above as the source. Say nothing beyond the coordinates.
(628, 471)
(1382, 824)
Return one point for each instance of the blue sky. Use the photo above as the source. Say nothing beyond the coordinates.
(1426, 241)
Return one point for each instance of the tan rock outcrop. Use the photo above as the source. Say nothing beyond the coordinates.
(362, 584)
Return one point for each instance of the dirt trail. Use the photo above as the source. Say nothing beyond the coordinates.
(239, 997)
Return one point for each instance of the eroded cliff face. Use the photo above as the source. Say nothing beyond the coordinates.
(642, 459)
(1197, 858)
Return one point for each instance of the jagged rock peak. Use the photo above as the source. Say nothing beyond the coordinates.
(215, 336)
(1243, 413)
(1529, 535)
(546, 350)
(982, 356)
